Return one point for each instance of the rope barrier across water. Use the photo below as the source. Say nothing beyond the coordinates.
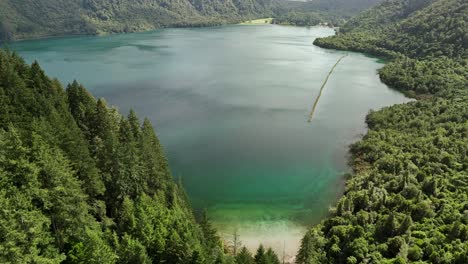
(311, 115)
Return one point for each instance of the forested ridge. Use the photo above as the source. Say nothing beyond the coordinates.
(20, 19)
(24, 19)
(406, 201)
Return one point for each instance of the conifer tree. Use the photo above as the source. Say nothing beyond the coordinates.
(244, 257)
(260, 257)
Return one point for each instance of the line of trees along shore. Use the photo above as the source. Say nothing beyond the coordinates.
(407, 201)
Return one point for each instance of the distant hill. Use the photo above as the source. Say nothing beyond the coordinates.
(384, 14)
(350, 6)
(31, 19)
(308, 13)
(22, 19)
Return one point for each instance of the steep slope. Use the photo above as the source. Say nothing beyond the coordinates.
(406, 201)
(21, 19)
(384, 14)
(441, 29)
(80, 183)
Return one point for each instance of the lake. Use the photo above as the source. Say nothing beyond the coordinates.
(230, 105)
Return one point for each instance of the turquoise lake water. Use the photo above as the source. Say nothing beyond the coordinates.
(230, 105)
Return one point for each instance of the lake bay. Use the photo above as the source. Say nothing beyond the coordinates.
(230, 105)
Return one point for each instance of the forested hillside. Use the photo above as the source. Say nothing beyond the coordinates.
(397, 27)
(311, 13)
(21, 19)
(31, 19)
(80, 183)
(407, 201)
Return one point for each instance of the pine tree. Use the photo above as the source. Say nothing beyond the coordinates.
(153, 162)
(212, 240)
(405, 226)
(132, 251)
(93, 250)
(134, 124)
(244, 257)
(24, 227)
(390, 225)
(62, 197)
(260, 257)
(129, 180)
(271, 257)
(82, 106)
(311, 249)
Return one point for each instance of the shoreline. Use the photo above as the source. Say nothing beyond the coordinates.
(103, 34)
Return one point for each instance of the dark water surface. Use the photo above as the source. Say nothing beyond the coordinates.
(230, 105)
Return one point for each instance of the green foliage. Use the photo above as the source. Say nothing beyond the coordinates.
(92, 249)
(423, 146)
(413, 28)
(271, 257)
(311, 13)
(79, 183)
(244, 257)
(311, 248)
(299, 18)
(132, 251)
(24, 228)
(20, 19)
(212, 240)
(421, 77)
(410, 168)
(31, 19)
(260, 257)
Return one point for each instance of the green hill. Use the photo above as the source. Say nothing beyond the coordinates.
(407, 199)
(310, 13)
(436, 28)
(387, 13)
(22, 19)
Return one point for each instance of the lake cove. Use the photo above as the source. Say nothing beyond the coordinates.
(231, 106)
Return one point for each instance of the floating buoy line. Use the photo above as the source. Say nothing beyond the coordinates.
(311, 115)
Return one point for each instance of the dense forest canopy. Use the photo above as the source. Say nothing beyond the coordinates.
(407, 201)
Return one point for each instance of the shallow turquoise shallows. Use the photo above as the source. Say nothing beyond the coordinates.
(230, 105)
